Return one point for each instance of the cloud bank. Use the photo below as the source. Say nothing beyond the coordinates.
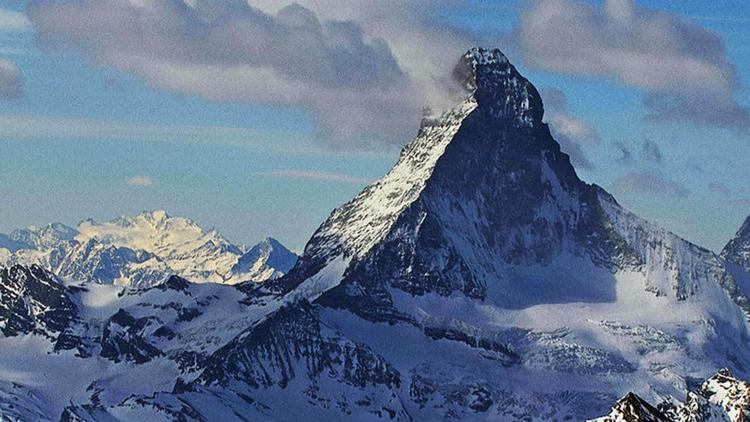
(225, 50)
(366, 69)
(683, 69)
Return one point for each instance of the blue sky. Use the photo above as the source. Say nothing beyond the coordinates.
(89, 137)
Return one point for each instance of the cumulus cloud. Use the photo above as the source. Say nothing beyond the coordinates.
(314, 175)
(682, 67)
(226, 50)
(10, 79)
(140, 180)
(647, 183)
(570, 132)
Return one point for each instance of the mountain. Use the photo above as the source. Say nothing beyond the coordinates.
(142, 251)
(721, 397)
(92, 345)
(482, 244)
(632, 408)
(33, 301)
(480, 279)
(267, 260)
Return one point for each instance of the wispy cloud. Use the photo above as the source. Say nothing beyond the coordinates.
(11, 21)
(648, 183)
(626, 156)
(10, 80)
(651, 151)
(140, 180)
(314, 175)
(720, 188)
(569, 131)
(717, 18)
(37, 127)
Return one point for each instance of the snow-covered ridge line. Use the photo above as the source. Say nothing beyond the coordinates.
(356, 226)
(143, 250)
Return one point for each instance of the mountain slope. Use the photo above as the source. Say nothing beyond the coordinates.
(484, 189)
(482, 230)
(33, 300)
(491, 279)
(738, 249)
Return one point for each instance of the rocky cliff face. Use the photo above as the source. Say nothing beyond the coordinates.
(738, 249)
(33, 300)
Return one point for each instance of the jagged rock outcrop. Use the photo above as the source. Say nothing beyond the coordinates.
(632, 408)
(33, 300)
(721, 397)
(738, 249)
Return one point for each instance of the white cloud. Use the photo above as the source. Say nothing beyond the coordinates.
(351, 82)
(140, 180)
(364, 69)
(314, 175)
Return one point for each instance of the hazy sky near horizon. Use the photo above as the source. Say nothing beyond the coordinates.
(260, 118)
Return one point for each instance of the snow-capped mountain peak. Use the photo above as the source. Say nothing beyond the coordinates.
(721, 398)
(632, 408)
(142, 250)
(266, 260)
(498, 87)
(43, 237)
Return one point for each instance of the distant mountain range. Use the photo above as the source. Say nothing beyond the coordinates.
(479, 279)
(143, 251)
